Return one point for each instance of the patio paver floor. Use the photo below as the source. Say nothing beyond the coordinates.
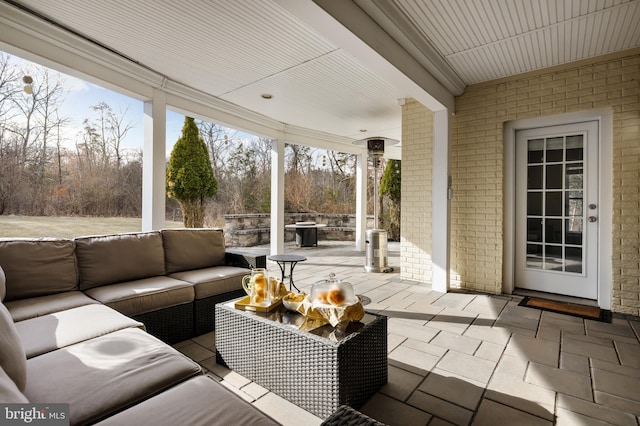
(465, 358)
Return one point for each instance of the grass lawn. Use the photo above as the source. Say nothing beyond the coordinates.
(69, 227)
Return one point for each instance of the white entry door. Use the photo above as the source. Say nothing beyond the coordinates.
(556, 245)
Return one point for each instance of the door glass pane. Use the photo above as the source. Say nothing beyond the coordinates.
(553, 258)
(554, 177)
(534, 204)
(573, 231)
(574, 148)
(536, 151)
(553, 231)
(534, 230)
(555, 150)
(573, 203)
(534, 256)
(573, 259)
(534, 177)
(553, 204)
(574, 176)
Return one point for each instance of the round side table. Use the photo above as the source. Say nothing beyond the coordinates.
(282, 260)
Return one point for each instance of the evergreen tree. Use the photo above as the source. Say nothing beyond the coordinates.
(190, 177)
(390, 186)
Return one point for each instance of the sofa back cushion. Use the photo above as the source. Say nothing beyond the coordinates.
(109, 259)
(12, 356)
(38, 266)
(9, 392)
(187, 249)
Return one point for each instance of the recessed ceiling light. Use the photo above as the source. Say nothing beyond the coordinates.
(267, 96)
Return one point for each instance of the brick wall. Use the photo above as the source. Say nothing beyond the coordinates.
(417, 161)
(477, 165)
(477, 170)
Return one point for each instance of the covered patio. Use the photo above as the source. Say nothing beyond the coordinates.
(467, 358)
(456, 83)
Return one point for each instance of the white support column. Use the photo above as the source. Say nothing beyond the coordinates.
(154, 162)
(361, 201)
(440, 201)
(277, 196)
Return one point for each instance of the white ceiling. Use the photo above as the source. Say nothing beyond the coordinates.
(297, 50)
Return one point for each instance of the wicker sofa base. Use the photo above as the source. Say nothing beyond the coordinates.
(204, 310)
(313, 372)
(171, 325)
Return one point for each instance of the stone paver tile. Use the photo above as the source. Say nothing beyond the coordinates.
(540, 351)
(486, 305)
(575, 363)
(566, 417)
(207, 340)
(508, 321)
(596, 411)
(561, 381)
(454, 300)
(513, 309)
(452, 389)
(514, 392)
(616, 384)
(467, 366)
(287, 413)
(401, 383)
(562, 322)
(548, 333)
(513, 366)
(196, 352)
(441, 408)
(425, 347)
(635, 324)
(452, 320)
(182, 344)
(413, 360)
(629, 353)
(492, 413)
(236, 380)
(392, 412)
(425, 309)
(456, 342)
(615, 368)
(489, 351)
(496, 335)
(617, 338)
(393, 341)
(414, 331)
(617, 327)
(613, 401)
(237, 391)
(588, 346)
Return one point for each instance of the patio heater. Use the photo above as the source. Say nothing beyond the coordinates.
(376, 239)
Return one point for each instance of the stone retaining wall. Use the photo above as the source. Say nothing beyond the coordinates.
(251, 229)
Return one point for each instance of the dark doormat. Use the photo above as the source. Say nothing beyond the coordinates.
(582, 311)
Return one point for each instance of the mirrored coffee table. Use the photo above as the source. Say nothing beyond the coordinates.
(317, 370)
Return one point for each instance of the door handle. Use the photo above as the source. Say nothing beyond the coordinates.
(592, 218)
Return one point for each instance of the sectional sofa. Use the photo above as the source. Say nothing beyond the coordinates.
(82, 321)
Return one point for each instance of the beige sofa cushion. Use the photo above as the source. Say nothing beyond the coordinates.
(109, 259)
(146, 295)
(9, 392)
(38, 266)
(3, 288)
(57, 330)
(37, 306)
(107, 374)
(187, 249)
(209, 282)
(187, 402)
(12, 357)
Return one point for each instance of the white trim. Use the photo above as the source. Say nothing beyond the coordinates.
(361, 201)
(440, 214)
(154, 162)
(277, 197)
(604, 117)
